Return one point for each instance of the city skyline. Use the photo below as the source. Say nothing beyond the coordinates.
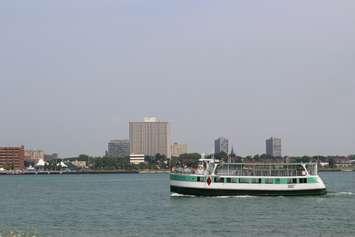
(210, 150)
(239, 69)
(269, 148)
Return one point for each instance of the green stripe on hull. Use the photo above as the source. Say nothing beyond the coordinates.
(187, 178)
(225, 192)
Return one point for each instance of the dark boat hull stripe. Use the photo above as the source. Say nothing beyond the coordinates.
(226, 192)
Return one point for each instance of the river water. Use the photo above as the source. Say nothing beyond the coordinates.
(141, 205)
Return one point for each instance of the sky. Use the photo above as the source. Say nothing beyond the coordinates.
(73, 73)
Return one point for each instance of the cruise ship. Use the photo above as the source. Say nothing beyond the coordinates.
(213, 178)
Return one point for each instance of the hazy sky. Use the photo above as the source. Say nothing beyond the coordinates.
(73, 73)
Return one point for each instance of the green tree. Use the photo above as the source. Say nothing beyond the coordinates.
(188, 159)
(221, 156)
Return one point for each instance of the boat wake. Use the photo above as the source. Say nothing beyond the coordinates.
(344, 193)
(340, 193)
(180, 195)
(220, 197)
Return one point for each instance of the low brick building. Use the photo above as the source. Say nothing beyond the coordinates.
(12, 158)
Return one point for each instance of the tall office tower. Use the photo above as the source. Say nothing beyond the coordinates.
(12, 158)
(221, 145)
(118, 148)
(149, 137)
(273, 147)
(178, 149)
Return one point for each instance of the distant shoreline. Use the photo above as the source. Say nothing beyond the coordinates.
(336, 170)
(85, 172)
(123, 172)
(71, 172)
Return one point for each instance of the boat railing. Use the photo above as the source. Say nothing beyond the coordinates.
(260, 173)
(246, 169)
(181, 170)
(252, 169)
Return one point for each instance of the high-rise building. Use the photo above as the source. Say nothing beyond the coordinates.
(149, 137)
(118, 148)
(221, 145)
(178, 149)
(273, 147)
(34, 155)
(12, 158)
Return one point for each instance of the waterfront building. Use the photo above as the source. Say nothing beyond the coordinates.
(136, 159)
(80, 164)
(34, 155)
(149, 137)
(53, 156)
(12, 158)
(41, 164)
(221, 145)
(178, 149)
(273, 147)
(118, 148)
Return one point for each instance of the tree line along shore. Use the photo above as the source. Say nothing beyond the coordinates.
(160, 163)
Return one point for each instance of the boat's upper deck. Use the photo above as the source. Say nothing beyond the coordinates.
(249, 169)
(264, 169)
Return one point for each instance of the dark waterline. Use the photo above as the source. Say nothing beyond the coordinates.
(141, 205)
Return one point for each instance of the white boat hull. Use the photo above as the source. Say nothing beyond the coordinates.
(228, 189)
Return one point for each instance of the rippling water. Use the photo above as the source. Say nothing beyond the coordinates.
(141, 205)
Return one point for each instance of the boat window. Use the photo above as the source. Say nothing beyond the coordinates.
(277, 181)
(303, 181)
(243, 181)
(256, 181)
(218, 180)
(228, 180)
(292, 181)
(268, 181)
